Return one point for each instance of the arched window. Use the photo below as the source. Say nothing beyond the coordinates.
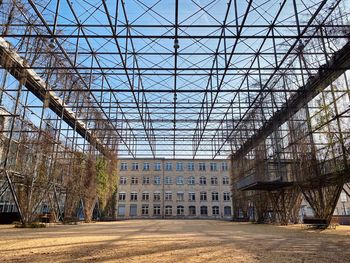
(180, 210)
(192, 210)
(204, 210)
(216, 210)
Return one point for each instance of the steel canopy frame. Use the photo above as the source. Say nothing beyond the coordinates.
(180, 79)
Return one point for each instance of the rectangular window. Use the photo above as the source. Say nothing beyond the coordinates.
(134, 180)
(122, 180)
(168, 210)
(224, 166)
(215, 196)
(168, 196)
(157, 166)
(214, 180)
(191, 180)
(168, 180)
(144, 210)
(157, 180)
(135, 167)
(122, 196)
(168, 166)
(156, 196)
(145, 196)
(213, 167)
(146, 166)
(123, 166)
(121, 210)
(202, 180)
(227, 210)
(201, 166)
(156, 210)
(133, 210)
(179, 180)
(203, 196)
(180, 196)
(225, 181)
(145, 180)
(226, 196)
(191, 197)
(133, 197)
(190, 166)
(179, 167)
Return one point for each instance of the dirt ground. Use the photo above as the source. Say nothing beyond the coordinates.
(173, 241)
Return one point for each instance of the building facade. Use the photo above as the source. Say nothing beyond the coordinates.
(162, 188)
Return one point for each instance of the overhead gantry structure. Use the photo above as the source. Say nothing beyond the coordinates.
(264, 83)
(192, 73)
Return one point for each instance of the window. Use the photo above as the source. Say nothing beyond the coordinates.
(180, 210)
(134, 180)
(192, 210)
(180, 196)
(146, 166)
(214, 180)
(122, 180)
(144, 210)
(225, 180)
(227, 210)
(168, 166)
(201, 166)
(203, 196)
(191, 197)
(145, 180)
(135, 166)
(191, 180)
(122, 196)
(204, 210)
(168, 210)
(145, 196)
(156, 210)
(133, 196)
(133, 210)
(190, 166)
(157, 166)
(121, 210)
(215, 210)
(179, 167)
(168, 180)
(123, 166)
(226, 196)
(157, 180)
(179, 180)
(215, 196)
(202, 180)
(224, 166)
(168, 196)
(213, 167)
(156, 196)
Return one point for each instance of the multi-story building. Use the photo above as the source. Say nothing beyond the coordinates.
(162, 188)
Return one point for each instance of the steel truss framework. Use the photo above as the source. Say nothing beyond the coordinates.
(161, 78)
(266, 82)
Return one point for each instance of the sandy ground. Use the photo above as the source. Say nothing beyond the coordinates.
(173, 241)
